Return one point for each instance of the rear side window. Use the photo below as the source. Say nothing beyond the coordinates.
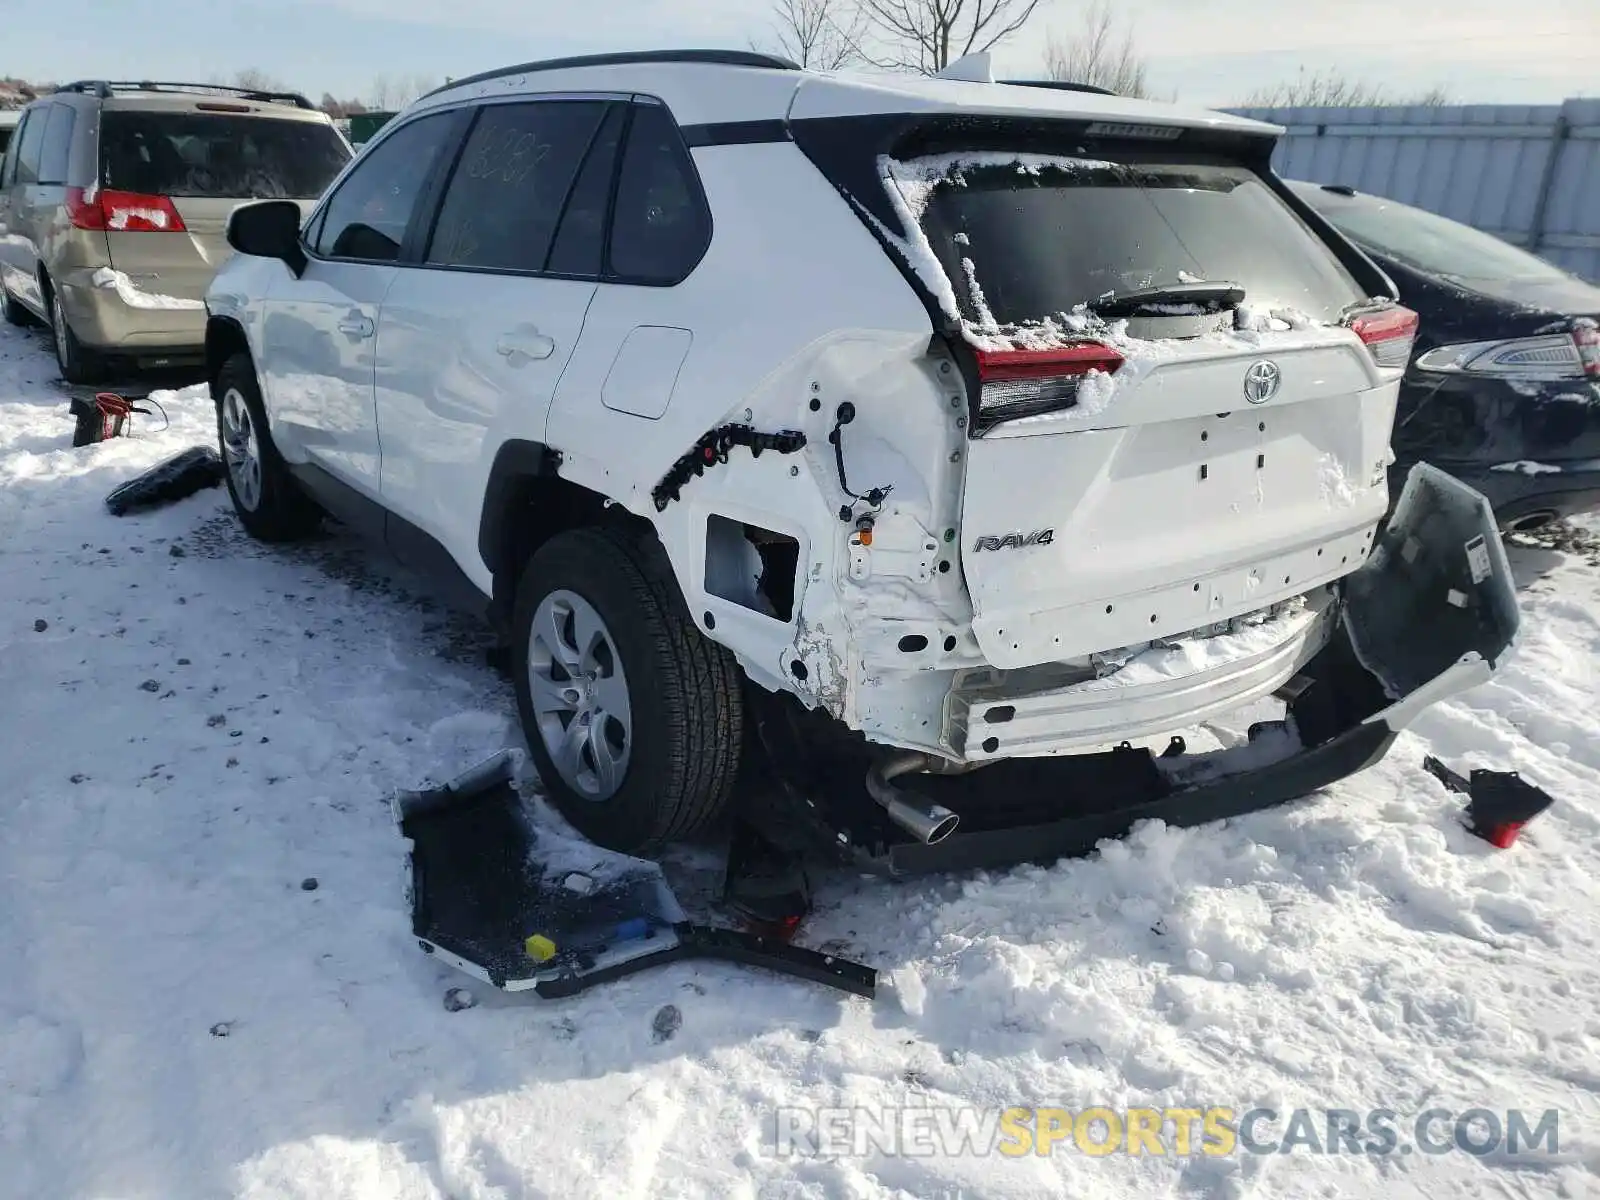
(580, 243)
(29, 145)
(57, 149)
(367, 217)
(509, 188)
(199, 154)
(661, 227)
(1022, 238)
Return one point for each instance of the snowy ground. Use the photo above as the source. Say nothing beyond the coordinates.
(191, 726)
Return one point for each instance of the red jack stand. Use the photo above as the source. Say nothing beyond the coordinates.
(1499, 803)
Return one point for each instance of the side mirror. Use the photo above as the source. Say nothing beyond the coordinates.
(268, 229)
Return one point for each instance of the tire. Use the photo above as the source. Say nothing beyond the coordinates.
(675, 758)
(78, 364)
(13, 311)
(270, 504)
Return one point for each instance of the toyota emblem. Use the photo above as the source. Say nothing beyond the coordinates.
(1261, 382)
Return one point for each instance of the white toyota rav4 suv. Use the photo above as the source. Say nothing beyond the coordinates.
(880, 429)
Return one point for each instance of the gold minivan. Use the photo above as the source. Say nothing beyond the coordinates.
(114, 203)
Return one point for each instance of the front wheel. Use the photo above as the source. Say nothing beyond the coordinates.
(270, 504)
(634, 719)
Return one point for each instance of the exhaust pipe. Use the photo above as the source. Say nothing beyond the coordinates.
(930, 824)
(1529, 522)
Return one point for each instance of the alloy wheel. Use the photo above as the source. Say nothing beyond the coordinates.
(241, 449)
(580, 695)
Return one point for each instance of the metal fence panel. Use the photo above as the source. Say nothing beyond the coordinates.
(1526, 173)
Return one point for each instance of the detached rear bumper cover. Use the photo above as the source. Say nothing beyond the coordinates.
(1430, 615)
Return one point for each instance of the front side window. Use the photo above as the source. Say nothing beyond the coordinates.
(10, 144)
(199, 154)
(511, 184)
(30, 145)
(367, 217)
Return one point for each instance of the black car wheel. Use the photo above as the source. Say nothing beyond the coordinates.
(269, 502)
(633, 718)
(78, 364)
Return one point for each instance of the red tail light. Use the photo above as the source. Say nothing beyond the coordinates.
(1026, 383)
(1586, 335)
(122, 212)
(1389, 334)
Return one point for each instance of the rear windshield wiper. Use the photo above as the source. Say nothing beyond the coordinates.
(1209, 297)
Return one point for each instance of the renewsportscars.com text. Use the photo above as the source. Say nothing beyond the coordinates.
(1214, 1132)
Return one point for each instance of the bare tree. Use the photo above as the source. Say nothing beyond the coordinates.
(823, 35)
(929, 35)
(336, 107)
(1329, 89)
(256, 80)
(390, 93)
(1099, 53)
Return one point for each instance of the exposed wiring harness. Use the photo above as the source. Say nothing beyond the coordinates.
(713, 448)
(875, 496)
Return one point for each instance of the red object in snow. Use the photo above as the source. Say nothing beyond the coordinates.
(1499, 803)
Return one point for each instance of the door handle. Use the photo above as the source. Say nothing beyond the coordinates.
(357, 325)
(524, 345)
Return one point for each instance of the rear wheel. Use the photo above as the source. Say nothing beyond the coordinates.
(78, 364)
(633, 718)
(270, 504)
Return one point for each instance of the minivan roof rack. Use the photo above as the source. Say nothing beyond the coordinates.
(719, 58)
(1060, 85)
(106, 88)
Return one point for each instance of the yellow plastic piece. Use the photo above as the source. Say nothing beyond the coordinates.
(540, 948)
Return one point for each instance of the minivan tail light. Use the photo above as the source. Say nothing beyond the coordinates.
(1028, 383)
(122, 212)
(1389, 334)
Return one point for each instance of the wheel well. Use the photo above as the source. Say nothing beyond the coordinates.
(224, 339)
(526, 511)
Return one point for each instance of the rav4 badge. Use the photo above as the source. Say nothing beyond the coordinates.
(1015, 541)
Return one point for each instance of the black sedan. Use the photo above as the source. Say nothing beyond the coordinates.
(1503, 390)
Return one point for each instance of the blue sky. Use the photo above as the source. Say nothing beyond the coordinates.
(1207, 51)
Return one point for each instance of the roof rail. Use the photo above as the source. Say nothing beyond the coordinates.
(720, 58)
(1060, 85)
(106, 88)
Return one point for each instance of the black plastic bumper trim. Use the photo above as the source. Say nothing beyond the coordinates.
(1231, 796)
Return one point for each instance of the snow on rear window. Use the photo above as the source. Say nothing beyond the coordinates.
(1016, 246)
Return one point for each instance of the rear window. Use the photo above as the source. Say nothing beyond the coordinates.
(1024, 238)
(214, 154)
(1433, 244)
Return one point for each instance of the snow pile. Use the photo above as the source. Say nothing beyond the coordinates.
(131, 294)
(1334, 482)
(196, 727)
(1174, 658)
